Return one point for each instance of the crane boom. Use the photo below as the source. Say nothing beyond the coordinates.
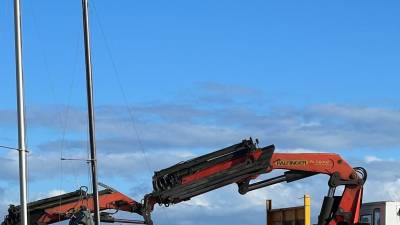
(244, 162)
(67, 206)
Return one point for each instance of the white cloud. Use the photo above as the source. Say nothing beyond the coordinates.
(55, 192)
(200, 201)
(123, 164)
(298, 150)
(392, 189)
(51, 193)
(178, 125)
(371, 158)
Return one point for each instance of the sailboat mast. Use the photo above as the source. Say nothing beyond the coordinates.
(91, 118)
(21, 116)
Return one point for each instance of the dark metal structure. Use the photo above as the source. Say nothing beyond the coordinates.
(90, 108)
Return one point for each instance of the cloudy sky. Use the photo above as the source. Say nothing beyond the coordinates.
(177, 79)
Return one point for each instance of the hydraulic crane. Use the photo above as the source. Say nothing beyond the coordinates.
(242, 164)
(76, 207)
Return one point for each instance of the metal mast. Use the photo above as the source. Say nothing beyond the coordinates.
(21, 115)
(89, 90)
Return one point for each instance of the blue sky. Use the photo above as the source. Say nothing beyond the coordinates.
(181, 78)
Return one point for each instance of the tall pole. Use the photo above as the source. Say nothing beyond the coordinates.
(89, 90)
(21, 116)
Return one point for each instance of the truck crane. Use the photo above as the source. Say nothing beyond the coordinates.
(242, 164)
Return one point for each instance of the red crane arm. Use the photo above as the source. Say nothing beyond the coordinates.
(244, 162)
(325, 163)
(113, 200)
(63, 207)
(341, 174)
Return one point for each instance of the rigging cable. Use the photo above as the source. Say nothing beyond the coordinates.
(10, 148)
(65, 109)
(119, 82)
(130, 113)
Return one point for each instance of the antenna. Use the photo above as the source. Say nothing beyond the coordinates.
(21, 115)
(89, 90)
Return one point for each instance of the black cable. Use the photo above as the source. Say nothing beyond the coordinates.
(7, 147)
(131, 116)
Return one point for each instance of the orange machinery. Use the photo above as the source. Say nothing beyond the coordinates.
(244, 162)
(73, 206)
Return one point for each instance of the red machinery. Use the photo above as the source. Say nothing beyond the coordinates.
(244, 162)
(240, 163)
(74, 206)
